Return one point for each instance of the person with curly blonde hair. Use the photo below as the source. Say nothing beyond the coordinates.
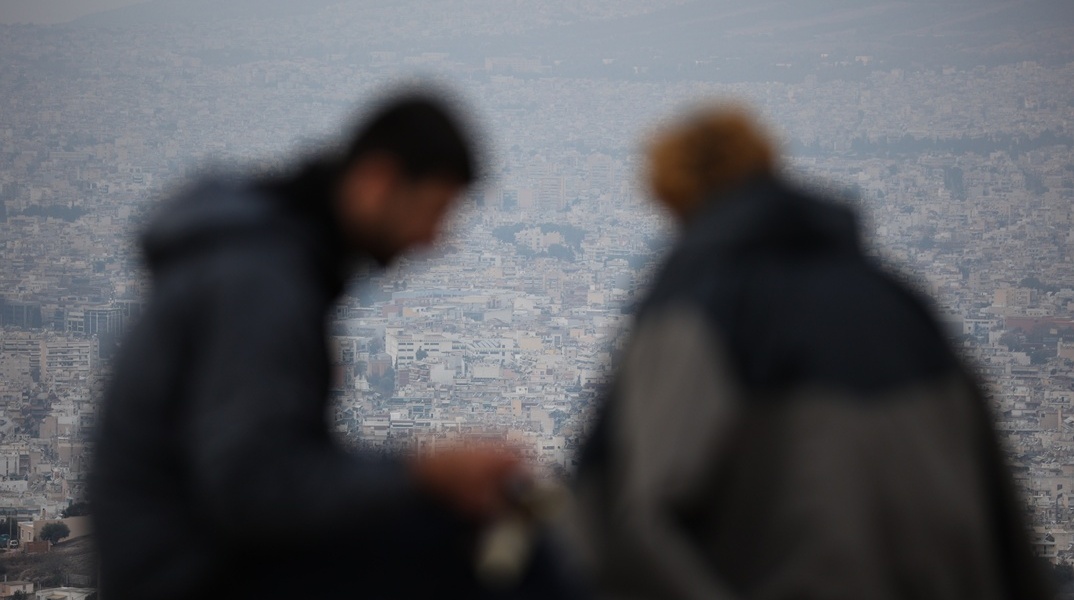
(788, 420)
(710, 152)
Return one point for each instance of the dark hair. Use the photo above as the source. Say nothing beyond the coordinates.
(419, 132)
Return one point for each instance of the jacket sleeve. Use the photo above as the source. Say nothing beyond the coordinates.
(675, 406)
(254, 432)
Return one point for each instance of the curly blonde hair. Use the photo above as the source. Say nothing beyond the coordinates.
(707, 153)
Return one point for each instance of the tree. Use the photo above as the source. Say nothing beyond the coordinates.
(54, 532)
(1061, 574)
(10, 526)
(421, 354)
(384, 384)
(76, 509)
(376, 346)
(1039, 356)
(1013, 340)
(561, 252)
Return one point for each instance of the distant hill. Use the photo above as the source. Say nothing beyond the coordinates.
(705, 39)
(427, 16)
(173, 11)
(941, 32)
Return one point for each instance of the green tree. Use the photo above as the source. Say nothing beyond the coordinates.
(384, 384)
(10, 526)
(76, 509)
(1039, 356)
(376, 346)
(1013, 340)
(561, 252)
(1061, 574)
(54, 532)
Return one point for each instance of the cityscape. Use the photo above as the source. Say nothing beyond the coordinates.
(948, 125)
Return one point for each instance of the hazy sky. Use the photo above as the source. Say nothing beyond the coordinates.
(54, 11)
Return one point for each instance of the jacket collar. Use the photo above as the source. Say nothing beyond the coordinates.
(767, 214)
(308, 198)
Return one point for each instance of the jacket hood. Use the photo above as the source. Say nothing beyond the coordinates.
(198, 216)
(228, 208)
(767, 213)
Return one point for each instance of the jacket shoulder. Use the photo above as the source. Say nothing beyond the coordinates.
(833, 319)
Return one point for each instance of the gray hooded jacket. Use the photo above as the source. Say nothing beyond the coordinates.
(788, 421)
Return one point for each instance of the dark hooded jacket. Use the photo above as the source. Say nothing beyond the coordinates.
(789, 421)
(214, 464)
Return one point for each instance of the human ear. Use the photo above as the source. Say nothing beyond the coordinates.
(368, 185)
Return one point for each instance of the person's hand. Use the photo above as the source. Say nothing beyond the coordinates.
(473, 481)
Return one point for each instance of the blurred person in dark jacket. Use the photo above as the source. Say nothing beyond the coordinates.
(788, 421)
(215, 473)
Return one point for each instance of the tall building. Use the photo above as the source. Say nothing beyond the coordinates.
(107, 323)
(17, 313)
(67, 360)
